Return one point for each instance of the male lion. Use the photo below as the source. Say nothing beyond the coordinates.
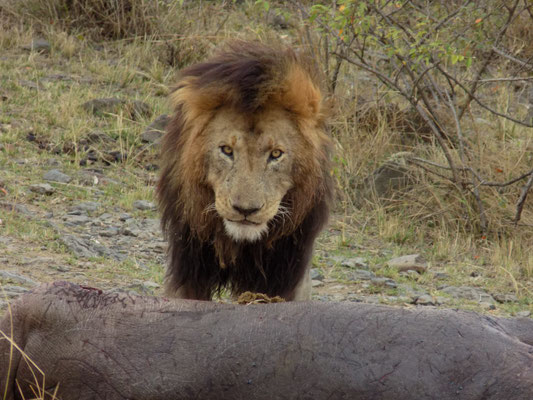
(245, 181)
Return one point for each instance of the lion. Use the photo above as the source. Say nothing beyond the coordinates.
(245, 184)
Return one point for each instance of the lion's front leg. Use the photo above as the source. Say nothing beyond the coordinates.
(185, 291)
(303, 289)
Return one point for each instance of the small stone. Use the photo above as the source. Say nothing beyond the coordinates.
(42, 188)
(505, 298)
(154, 131)
(144, 205)
(131, 228)
(523, 314)
(413, 262)
(469, 293)
(86, 206)
(360, 275)
(38, 44)
(425, 300)
(60, 268)
(440, 275)
(110, 231)
(88, 248)
(487, 305)
(410, 274)
(151, 285)
(355, 262)
(55, 175)
(386, 282)
(316, 283)
(124, 216)
(316, 274)
(75, 220)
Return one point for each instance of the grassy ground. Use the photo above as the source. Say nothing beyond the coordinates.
(42, 126)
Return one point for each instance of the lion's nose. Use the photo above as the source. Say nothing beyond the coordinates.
(246, 211)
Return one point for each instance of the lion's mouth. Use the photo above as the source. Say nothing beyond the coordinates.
(246, 222)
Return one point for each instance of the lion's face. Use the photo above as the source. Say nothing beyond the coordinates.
(249, 165)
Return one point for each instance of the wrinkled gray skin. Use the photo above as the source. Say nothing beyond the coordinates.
(111, 346)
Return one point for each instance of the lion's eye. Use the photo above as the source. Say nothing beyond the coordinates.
(227, 150)
(275, 154)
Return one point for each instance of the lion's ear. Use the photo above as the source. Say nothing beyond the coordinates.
(301, 96)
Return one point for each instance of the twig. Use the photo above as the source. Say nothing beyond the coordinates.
(528, 78)
(522, 199)
(523, 64)
(487, 60)
(483, 105)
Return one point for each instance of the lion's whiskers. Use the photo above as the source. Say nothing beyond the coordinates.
(282, 215)
(210, 208)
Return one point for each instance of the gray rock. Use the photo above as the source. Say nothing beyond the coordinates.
(505, 298)
(38, 44)
(355, 262)
(151, 285)
(360, 275)
(124, 216)
(144, 205)
(523, 314)
(425, 300)
(42, 188)
(12, 276)
(55, 175)
(131, 228)
(88, 249)
(110, 231)
(316, 283)
(440, 275)
(20, 208)
(413, 262)
(468, 293)
(410, 274)
(382, 281)
(316, 274)
(156, 130)
(76, 220)
(86, 206)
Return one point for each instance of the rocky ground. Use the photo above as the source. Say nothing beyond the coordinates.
(82, 209)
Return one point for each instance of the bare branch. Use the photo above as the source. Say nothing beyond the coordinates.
(522, 199)
(487, 60)
(483, 105)
(522, 63)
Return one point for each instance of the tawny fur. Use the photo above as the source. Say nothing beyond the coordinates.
(251, 81)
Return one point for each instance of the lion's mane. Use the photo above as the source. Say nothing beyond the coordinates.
(247, 77)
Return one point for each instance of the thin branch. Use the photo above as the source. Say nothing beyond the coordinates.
(487, 60)
(523, 64)
(473, 97)
(528, 78)
(522, 199)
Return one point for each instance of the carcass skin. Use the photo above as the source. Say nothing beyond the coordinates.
(95, 345)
